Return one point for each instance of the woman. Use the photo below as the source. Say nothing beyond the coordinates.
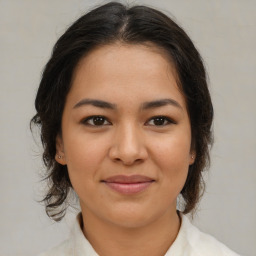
(125, 117)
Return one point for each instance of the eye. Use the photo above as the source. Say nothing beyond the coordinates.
(96, 121)
(160, 121)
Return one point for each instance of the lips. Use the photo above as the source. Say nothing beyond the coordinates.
(128, 184)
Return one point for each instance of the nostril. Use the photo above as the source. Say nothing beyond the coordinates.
(132, 162)
(127, 153)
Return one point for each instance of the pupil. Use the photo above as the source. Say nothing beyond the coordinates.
(159, 121)
(98, 120)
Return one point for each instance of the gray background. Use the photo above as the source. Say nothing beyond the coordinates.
(224, 32)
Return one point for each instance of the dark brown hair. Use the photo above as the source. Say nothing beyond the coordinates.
(109, 23)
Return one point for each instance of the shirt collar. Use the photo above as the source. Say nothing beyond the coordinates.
(81, 246)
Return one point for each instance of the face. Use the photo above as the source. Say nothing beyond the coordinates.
(126, 135)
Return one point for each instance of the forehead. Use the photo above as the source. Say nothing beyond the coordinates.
(122, 69)
(124, 53)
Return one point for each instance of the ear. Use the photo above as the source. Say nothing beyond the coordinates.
(60, 155)
(192, 157)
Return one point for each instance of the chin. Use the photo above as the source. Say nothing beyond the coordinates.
(132, 217)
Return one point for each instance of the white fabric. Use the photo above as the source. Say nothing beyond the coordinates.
(189, 242)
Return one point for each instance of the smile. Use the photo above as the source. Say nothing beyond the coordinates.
(128, 184)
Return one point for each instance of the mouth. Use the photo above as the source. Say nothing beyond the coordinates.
(128, 184)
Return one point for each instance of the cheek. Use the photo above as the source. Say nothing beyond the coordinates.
(172, 156)
(175, 149)
(83, 164)
(84, 157)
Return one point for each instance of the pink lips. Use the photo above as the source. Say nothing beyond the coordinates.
(128, 184)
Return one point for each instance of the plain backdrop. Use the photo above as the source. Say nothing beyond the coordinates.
(223, 31)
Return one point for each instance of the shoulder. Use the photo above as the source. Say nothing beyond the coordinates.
(77, 244)
(63, 249)
(201, 244)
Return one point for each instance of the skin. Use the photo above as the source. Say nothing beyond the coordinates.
(128, 141)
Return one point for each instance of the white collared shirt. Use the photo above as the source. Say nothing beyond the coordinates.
(189, 242)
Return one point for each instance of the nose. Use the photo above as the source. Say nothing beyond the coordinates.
(128, 146)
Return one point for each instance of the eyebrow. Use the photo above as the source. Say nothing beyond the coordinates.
(160, 103)
(96, 103)
(144, 106)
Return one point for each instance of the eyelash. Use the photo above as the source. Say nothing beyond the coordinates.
(90, 118)
(167, 121)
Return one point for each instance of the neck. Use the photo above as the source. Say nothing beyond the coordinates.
(110, 239)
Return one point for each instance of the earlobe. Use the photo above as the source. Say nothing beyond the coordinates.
(192, 157)
(60, 155)
(60, 159)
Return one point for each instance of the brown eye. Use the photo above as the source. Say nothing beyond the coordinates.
(159, 121)
(96, 121)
